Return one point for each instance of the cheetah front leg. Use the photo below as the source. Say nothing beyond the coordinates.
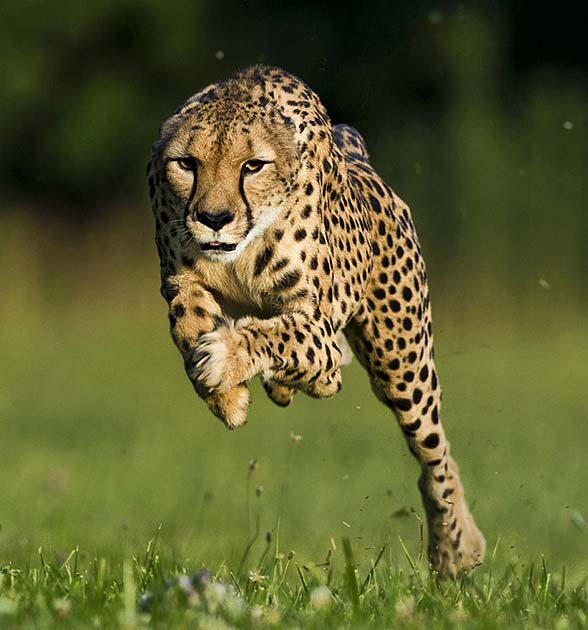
(288, 350)
(193, 311)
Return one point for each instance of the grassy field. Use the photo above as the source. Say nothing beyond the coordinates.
(104, 446)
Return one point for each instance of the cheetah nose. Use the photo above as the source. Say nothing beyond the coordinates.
(215, 220)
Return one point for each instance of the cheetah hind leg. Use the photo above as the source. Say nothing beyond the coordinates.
(282, 394)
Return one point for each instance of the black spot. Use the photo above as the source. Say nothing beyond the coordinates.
(407, 294)
(424, 373)
(435, 415)
(308, 189)
(404, 405)
(417, 396)
(412, 427)
(375, 204)
(263, 259)
(179, 310)
(406, 323)
(287, 281)
(329, 363)
(280, 264)
(310, 354)
(408, 376)
(379, 294)
(431, 441)
(300, 235)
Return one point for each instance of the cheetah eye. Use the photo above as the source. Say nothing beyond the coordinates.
(187, 163)
(253, 166)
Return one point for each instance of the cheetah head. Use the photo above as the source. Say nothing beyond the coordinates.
(230, 158)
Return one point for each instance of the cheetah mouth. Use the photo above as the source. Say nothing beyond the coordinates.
(217, 246)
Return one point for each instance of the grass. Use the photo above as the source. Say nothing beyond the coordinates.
(102, 440)
(151, 590)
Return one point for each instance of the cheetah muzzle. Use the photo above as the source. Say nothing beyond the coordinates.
(281, 248)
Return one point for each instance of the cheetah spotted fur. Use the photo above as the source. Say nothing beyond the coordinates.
(280, 247)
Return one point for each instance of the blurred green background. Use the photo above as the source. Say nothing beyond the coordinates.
(476, 115)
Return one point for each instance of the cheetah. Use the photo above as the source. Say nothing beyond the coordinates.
(280, 248)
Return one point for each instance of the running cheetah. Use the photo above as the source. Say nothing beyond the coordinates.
(280, 249)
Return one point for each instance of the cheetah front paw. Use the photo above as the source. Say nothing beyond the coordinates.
(325, 386)
(220, 361)
(231, 407)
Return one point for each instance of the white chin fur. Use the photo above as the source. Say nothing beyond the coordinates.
(257, 230)
(218, 256)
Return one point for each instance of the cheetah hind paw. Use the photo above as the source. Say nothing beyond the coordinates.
(230, 406)
(452, 558)
(452, 561)
(279, 393)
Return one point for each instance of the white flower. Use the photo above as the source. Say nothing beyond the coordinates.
(405, 607)
(320, 597)
(62, 606)
(256, 613)
(256, 577)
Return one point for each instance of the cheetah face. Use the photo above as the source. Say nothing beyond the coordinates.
(228, 179)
